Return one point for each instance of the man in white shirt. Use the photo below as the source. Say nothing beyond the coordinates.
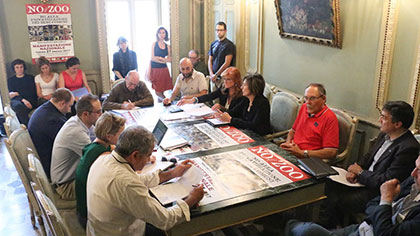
(68, 145)
(118, 199)
(190, 83)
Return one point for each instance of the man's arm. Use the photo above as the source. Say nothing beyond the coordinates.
(228, 60)
(111, 102)
(210, 66)
(146, 97)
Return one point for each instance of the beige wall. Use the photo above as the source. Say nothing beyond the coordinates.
(347, 73)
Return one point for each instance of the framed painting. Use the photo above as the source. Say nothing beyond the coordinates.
(315, 21)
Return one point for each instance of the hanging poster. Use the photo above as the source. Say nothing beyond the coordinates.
(50, 31)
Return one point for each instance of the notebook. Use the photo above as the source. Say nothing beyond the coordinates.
(159, 131)
(169, 141)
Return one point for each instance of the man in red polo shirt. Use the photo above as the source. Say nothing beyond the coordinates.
(315, 131)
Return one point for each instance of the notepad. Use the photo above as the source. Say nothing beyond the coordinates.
(317, 168)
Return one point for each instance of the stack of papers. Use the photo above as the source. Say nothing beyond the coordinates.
(197, 109)
(172, 140)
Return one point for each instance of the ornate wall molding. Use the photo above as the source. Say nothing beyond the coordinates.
(3, 73)
(102, 45)
(385, 51)
(415, 90)
(174, 11)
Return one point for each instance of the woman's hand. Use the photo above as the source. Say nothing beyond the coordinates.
(223, 116)
(216, 107)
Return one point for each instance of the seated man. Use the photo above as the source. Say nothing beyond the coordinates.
(315, 131)
(118, 199)
(392, 156)
(45, 123)
(395, 212)
(190, 82)
(129, 94)
(198, 64)
(75, 134)
(22, 91)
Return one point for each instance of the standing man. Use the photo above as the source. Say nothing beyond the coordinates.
(315, 132)
(129, 94)
(22, 91)
(45, 123)
(118, 199)
(190, 82)
(69, 144)
(198, 64)
(222, 54)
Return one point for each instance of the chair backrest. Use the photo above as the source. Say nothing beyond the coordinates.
(55, 223)
(117, 82)
(8, 111)
(267, 92)
(347, 128)
(11, 124)
(284, 109)
(39, 177)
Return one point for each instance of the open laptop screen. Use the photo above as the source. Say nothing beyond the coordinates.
(159, 131)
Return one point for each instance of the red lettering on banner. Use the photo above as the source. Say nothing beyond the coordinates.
(47, 9)
(279, 163)
(236, 134)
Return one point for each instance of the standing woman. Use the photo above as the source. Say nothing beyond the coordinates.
(73, 78)
(124, 60)
(161, 54)
(252, 113)
(46, 81)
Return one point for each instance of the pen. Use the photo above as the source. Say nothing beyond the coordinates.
(129, 100)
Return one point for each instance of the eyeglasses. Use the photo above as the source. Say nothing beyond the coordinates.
(227, 79)
(313, 98)
(96, 112)
(219, 30)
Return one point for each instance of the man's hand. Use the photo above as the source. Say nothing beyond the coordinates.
(13, 94)
(127, 105)
(167, 101)
(27, 103)
(390, 189)
(355, 169)
(152, 159)
(195, 196)
(181, 168)
(292, 148)
(185, 101)
(351, 177)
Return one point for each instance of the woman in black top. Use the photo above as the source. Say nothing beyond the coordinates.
(252, 113)
(229, 95)
(124, 60)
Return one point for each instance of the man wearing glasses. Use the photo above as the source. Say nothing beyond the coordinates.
(222, 54)
(199, 65)
(75, 134)
(129, 94)
(315, 131)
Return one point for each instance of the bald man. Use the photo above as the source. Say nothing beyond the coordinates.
(190, 82)
(132, 93)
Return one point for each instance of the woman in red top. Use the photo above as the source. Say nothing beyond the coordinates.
(73, 78)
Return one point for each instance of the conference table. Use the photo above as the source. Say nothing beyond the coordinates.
(237, 209)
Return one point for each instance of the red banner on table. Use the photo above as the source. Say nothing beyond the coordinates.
(236, 134)
(50, 31)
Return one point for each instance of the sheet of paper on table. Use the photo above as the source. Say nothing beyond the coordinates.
(151, 167)
(167, 193)
(197, 109)
(341, 177)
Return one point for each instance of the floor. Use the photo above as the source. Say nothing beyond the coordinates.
(14, 207)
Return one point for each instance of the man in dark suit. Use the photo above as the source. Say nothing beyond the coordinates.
(393, 156)
(396, 212)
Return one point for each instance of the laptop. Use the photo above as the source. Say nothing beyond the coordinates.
(159, 132)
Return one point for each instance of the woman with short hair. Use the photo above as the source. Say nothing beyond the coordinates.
(107, 130)
(252, 113)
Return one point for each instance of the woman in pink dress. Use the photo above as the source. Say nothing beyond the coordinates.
(73, 78)
(159, 73)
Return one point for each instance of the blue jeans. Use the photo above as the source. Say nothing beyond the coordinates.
(297, 228)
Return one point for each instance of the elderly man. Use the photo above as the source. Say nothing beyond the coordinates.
(396, 212)
(222, 54)
(199, 65)
(129, 94)
(45, 123)
(118, 199)
(190, 82)
(69, 143)
(392, 156)
(315, 131)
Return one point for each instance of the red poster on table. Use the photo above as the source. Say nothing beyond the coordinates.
(50, 31)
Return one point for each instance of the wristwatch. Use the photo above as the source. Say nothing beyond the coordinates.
(360, 172)
(306, 154)
(219, 76)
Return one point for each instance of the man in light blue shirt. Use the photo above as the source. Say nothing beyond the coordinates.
(69, 143)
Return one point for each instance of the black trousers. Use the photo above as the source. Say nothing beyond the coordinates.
(22, 112)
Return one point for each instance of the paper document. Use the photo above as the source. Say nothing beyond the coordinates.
(175, 116)
(167, 193)
(197, 109)
(172, 140)
(341, 177)
(80, 92)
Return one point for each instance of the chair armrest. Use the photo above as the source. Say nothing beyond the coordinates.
(276, 135)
